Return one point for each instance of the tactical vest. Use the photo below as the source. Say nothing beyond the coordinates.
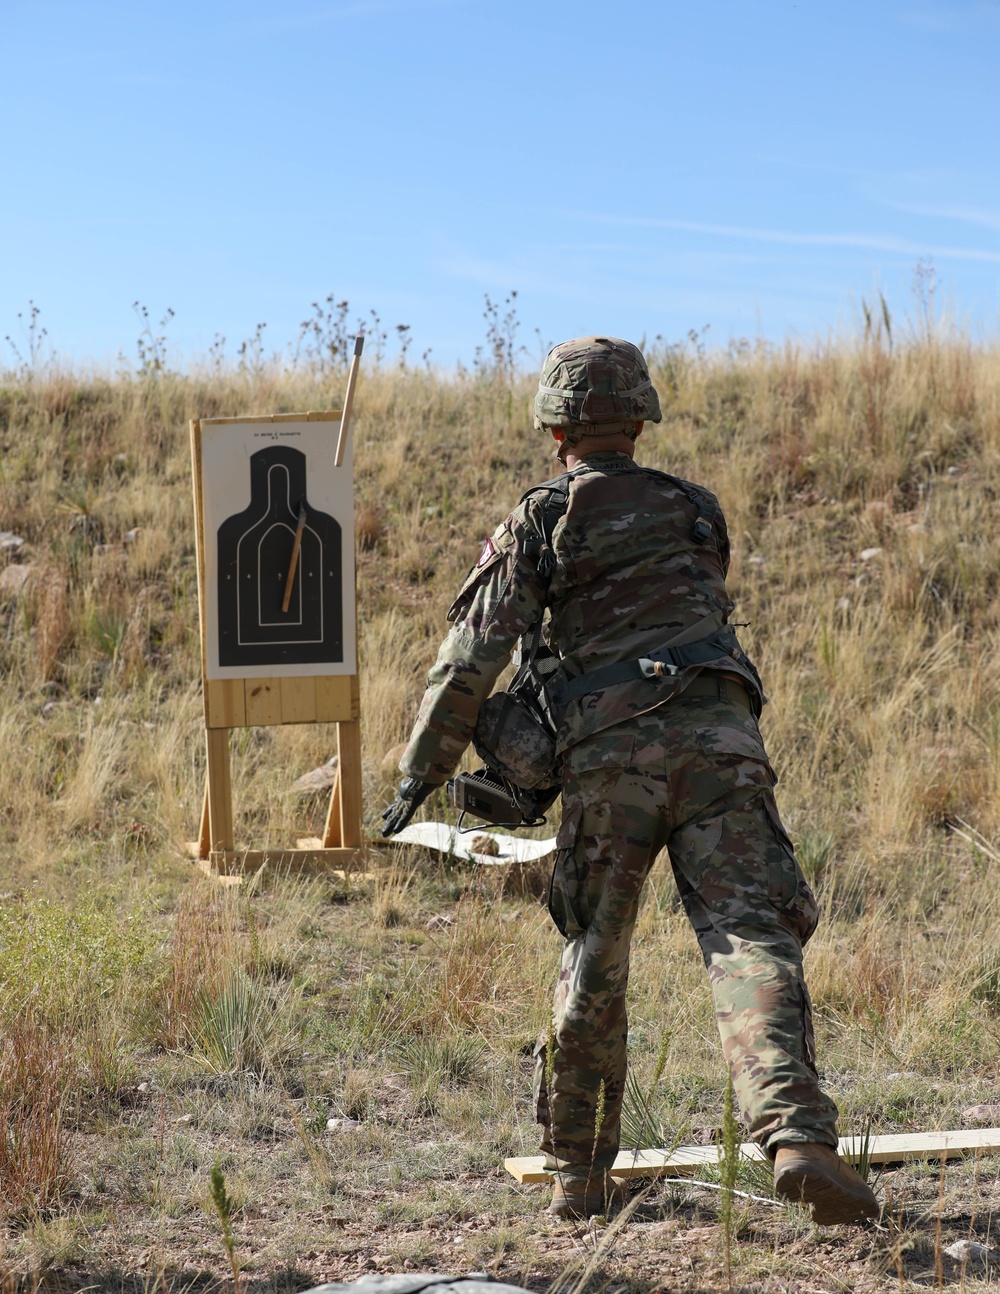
(635, 561)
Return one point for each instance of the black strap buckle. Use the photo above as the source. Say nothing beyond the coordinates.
(702, 530)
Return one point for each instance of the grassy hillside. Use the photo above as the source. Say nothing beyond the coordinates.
(154, 1026)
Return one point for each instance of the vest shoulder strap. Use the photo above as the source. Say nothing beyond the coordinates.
(556, 491)
(704, 501)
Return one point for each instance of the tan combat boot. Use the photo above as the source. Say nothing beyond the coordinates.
(815, 1174)
(578, 1197)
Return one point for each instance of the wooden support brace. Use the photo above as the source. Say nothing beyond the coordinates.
(332, 837)
(228, 862)
(219, 789)
(348, 783)
(202, 847)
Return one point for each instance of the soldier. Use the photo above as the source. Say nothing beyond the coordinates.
(659, 745)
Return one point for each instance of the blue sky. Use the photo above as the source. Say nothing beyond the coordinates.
(643, 169)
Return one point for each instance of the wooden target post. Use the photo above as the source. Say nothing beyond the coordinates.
(274, 525)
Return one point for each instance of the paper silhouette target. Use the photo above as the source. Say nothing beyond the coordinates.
(280, 545)
(279, 552)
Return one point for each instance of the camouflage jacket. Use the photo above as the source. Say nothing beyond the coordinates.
(630, 576)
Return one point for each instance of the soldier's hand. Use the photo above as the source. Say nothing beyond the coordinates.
(411, 796)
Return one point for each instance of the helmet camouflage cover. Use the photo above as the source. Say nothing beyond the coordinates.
(598, 385)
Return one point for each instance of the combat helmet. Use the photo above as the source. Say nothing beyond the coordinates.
(597, 386)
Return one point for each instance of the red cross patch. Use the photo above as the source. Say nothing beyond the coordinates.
(489, 548)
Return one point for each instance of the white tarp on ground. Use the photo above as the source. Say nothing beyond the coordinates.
(449, 840)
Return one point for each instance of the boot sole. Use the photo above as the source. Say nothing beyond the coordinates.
(830, 1202)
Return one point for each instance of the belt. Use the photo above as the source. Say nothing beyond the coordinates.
(660, 663)
(717, 686)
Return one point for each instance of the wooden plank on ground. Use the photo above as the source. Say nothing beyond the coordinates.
(900, 1147)
(206, 868)
(232, 861)
(686, 1161)
(263, 701)
(233, 880)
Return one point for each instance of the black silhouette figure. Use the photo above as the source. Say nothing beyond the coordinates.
(255, 554)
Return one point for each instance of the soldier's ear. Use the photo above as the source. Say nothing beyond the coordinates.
(559, 436)
(638, 429)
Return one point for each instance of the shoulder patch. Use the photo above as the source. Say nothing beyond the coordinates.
(495, 548)
(497, 544)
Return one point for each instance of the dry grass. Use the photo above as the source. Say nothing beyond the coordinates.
(36, 1074)
(860, 483)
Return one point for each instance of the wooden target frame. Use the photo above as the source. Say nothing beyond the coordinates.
(251, 692)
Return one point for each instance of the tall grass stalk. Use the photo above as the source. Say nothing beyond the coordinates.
(224, 1209)
(36, 1079)
(729, 1167)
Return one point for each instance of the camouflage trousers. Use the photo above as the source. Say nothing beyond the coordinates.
(691, 776)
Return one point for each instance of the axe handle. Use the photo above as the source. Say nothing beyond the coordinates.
(294, 562)
(345, 417)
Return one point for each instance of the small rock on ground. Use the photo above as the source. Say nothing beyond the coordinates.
(969, 1251)
(13, 580)
(985, 1114)
(317, 779)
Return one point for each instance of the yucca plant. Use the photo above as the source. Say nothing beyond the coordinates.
(640, 1128)
(433, 1062)
(240, 1027)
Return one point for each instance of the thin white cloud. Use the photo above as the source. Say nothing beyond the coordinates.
(710, 288)
(790, 238)
(501, 277)
(966, 215)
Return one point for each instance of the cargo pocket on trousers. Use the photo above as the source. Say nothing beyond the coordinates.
(797, 905)
(738, 868)
(736, 757)
(586, 845)
(568, 905)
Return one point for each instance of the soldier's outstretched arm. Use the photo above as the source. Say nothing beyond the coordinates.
(411, 796)
(500, 600)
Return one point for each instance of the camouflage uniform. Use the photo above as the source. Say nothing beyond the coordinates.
(647, 763)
